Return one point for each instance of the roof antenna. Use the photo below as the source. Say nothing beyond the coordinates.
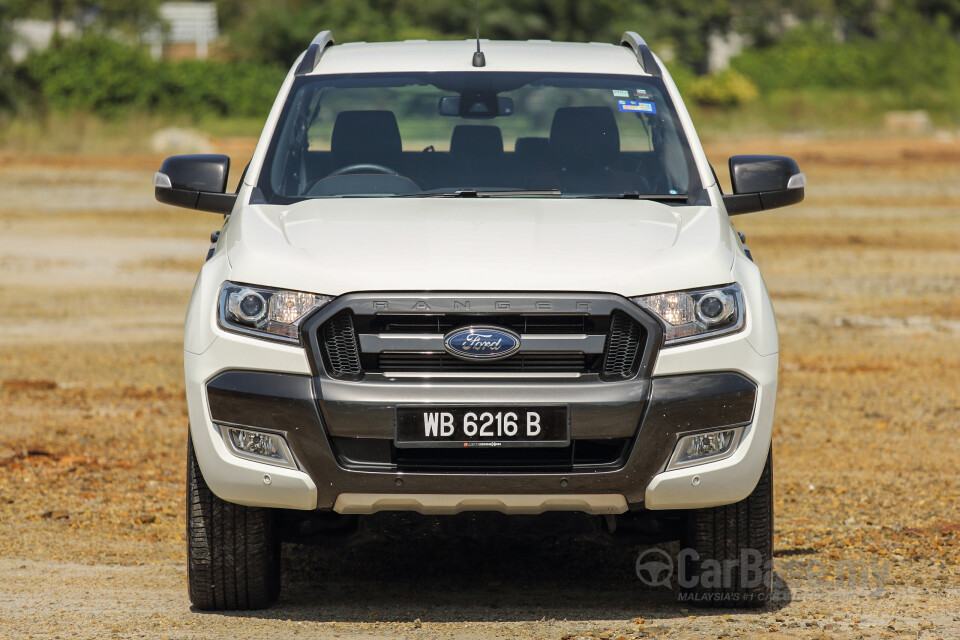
(479, 60)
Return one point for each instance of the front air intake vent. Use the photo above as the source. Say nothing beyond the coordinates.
(620, 360)
(341, 356)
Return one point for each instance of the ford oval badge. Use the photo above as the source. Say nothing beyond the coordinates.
(481, 343)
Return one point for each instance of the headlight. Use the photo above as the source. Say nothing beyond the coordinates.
(695, 315)
(269, 313)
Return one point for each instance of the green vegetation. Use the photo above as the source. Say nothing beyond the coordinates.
(727, 88)
(8, 81)
(912, 59)
(110, 79)
(130, 17)
(276, 31)
(840, 64)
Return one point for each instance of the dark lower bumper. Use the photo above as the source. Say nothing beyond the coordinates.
(660, 409)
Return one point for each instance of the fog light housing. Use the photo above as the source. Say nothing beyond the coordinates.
(708, 446)
(259, 446)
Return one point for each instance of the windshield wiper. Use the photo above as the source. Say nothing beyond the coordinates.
(633, 195)
(483, 193)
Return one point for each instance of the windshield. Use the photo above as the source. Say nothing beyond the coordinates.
(480, 134)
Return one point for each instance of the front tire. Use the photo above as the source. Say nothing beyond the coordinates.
(738, 536)
(233, 552)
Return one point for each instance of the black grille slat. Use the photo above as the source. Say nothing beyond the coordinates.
(519, 323)
(522, 362)
(623, 344)
(411, 323)
(555, 324)
(342, 355)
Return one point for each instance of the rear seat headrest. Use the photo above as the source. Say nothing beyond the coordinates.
(532, 147)
(476, 141)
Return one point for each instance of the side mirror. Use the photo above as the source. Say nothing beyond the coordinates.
(196, 181)
(763, 182)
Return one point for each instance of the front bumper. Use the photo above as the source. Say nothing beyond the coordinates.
(245, 389)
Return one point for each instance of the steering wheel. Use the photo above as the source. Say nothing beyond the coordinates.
(364, 168)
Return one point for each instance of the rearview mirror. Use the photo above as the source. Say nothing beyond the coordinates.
(763, 182)
(475, 106)
(196, 181)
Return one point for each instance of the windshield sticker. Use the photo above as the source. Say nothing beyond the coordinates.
(636, 106)
(621, 93)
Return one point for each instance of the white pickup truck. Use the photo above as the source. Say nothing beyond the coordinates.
(452, 282)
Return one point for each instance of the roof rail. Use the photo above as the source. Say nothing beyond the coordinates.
(316, 49)
(644, 56)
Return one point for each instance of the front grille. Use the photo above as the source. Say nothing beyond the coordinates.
(340, 350)
(521, 363)
(579, 455)
(606, 344)
(620, 361)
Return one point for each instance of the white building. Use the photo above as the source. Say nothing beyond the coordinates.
(184, 24)
(187, 23)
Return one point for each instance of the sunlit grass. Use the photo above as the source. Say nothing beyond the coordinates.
(86, 134)
(814, 112)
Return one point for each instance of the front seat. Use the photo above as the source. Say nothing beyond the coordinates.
(366, 137)
(585, 143)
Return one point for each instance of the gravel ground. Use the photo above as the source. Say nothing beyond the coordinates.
(865, 279)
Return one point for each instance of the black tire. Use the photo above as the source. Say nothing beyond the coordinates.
(728, 536)
(233, 552)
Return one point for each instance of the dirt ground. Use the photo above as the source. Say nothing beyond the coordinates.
(865, 278)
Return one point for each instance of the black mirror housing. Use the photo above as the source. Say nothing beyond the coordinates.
(763, 182)
(195, 181)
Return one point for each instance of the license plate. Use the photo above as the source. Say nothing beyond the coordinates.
(481, 426)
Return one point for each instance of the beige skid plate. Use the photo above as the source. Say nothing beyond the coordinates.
(448, 504)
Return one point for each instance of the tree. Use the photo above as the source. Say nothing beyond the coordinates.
(280, 31)
(277, 32)
(686, 25)
(933, 10)
(8, 80)
(131, 16)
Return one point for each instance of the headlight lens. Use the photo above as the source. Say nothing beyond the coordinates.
(269, 313)
(695, 315)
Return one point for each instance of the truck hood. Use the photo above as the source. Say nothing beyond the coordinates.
(336, 246)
